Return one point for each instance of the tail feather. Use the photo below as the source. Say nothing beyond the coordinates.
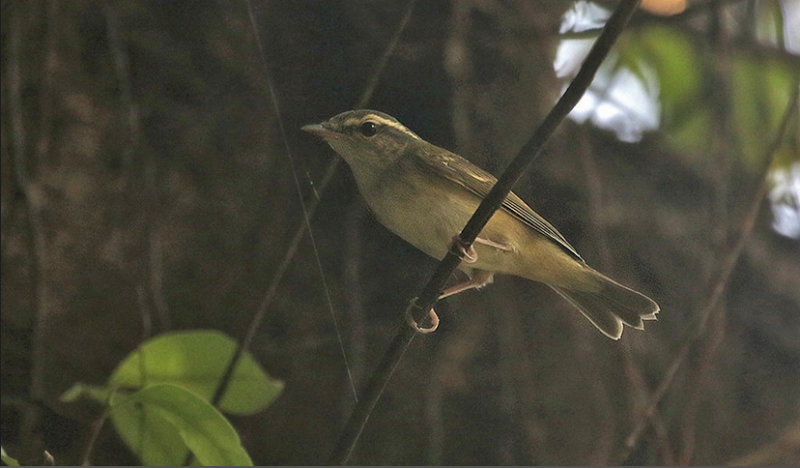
(611, 306)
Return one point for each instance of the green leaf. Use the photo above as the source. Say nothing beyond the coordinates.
(170, 414)
(161, 421)
(677, 62)
(679, 67)
(9, 461)
(148, 435)
(761, 88)
(80, 391)
(756, 92)
(196, 360)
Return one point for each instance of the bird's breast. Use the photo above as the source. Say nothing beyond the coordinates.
(429, 217)
(425, 217)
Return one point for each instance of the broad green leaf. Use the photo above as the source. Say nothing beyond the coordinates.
(161, 421)
(152, 438)
(196, 360)
(9, 461)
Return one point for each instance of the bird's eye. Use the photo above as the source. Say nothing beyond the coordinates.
(368, 129)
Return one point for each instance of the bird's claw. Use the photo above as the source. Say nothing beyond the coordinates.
(468, 254)
(413, 323)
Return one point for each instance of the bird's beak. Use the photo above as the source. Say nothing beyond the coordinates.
(320, 130)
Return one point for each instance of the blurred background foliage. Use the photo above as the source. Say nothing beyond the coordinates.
(146, 188)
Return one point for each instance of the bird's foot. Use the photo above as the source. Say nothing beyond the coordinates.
(413, 323)
(468, 254)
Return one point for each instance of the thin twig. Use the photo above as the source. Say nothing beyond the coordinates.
(493, 200)
(598, 222)
(155, 269)
(434, 398)
(354, 293)
(276, 105)
(34, 199)
(372, 82)
(636, 380)
(721, 138)
(46, 101)
(96, 426)
(594, 185)
(632, 371)
(696, 330)
(151, 268)
(698, 381)
(122, 71)
(330, 171)
(517, 401)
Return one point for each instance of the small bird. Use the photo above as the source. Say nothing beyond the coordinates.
(426, 194)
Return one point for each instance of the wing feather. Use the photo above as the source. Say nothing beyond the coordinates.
(456, 169)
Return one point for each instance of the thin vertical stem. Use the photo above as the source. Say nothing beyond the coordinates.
(300, 232)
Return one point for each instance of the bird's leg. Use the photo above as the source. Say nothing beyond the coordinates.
(470, 255)
(478, 279)
(491, 243)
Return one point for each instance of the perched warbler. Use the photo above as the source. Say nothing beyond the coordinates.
(426, 194)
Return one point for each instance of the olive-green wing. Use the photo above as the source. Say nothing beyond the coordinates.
(457, 169)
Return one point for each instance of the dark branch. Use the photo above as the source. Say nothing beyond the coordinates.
(490, 204)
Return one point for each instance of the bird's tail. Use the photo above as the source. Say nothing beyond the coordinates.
(611, 305)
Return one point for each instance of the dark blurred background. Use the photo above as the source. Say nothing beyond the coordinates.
(146, 188)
